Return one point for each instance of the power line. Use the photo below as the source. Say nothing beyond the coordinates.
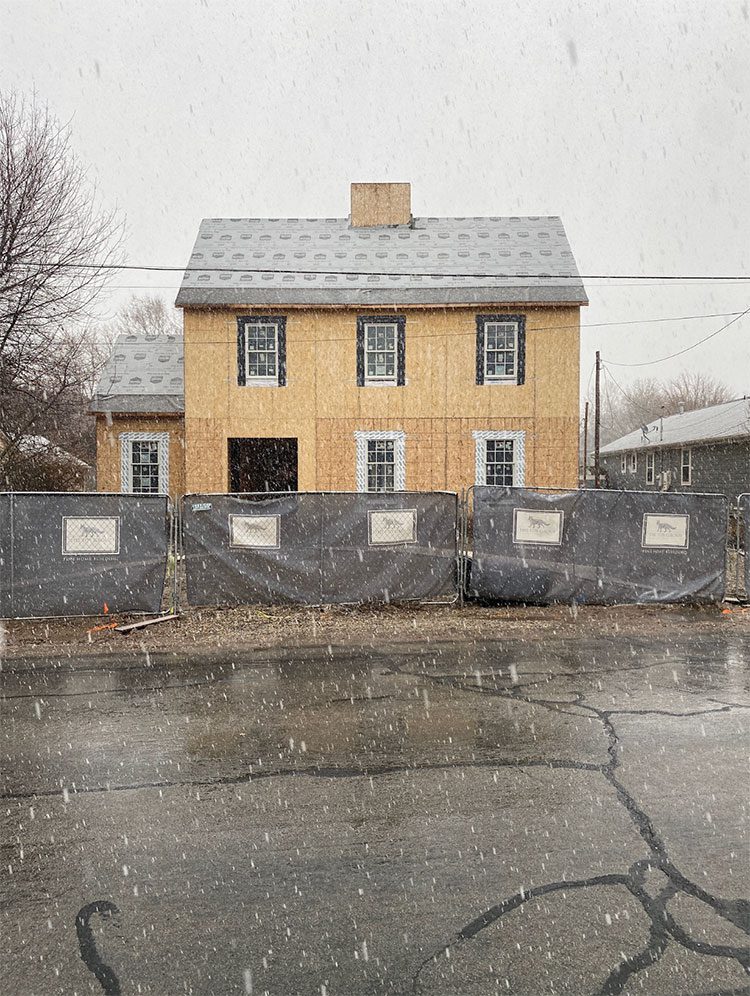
(648, 363)
(151, 268)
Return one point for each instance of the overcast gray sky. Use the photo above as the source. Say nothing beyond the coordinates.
(630, 120)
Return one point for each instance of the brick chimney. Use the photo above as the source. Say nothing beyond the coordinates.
(376, 204)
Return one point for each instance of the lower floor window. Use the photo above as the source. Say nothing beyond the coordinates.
(649, 468)
(686, 466)
(144, 462)
(500, 458)
(381, 464)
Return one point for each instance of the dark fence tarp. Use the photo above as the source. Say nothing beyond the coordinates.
(315, 549)
(595, 546)
(73, 554)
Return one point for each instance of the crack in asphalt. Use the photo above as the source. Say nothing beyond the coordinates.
(663, 925)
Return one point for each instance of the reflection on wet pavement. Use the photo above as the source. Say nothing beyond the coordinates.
(452, 817)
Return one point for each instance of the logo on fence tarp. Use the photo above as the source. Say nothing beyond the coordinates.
(665, 532)
(254, 531)
(537, 527)
(84, 536)
(386, 527)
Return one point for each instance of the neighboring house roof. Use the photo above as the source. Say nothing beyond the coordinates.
(432, 261)
(30, 445)
(143, 374)
(730, 420)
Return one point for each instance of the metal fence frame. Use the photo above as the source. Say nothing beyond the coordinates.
(545, 489)
(742, 550)
(170, 512)
(456, 595)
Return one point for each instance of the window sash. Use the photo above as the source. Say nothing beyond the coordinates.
(500, 351)
(144, 467)
(650, 468)
(499, 462)
(633, 462)
(381, 353)
(381, 465)
(261, 351)
(686, 466)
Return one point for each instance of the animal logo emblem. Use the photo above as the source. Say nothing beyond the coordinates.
(537, 524)
(665, 528)
(91, 531)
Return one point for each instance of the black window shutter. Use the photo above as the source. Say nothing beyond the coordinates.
(360, 352)
(281, 332)
(241, 352)
(521, 364)
(480, 350)
(401, 352)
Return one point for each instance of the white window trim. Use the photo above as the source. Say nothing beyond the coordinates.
(382, 381)
(624, 463)
(689, 465)
(361, 440)
(519, 453)
(126, 459)
(633, 462)
(650, 468)
(505, 378)
(254, 381)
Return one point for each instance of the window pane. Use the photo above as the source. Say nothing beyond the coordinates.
(499, 462)
(262, 353)
(500, 350)
(380, 352)
(381, 465)
(144, 467)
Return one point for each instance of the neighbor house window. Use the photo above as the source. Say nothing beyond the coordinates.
(381, 351)
(500, 458)
(632, 462)
(261, 351)
(686, 466)
(623, 463)
(381, 463)
(501, 349)
(650, 468)
(144, 463)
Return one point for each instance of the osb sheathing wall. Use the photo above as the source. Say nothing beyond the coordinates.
(108, 476)
(438, 408)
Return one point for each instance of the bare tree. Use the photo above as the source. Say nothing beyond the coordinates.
(56, 247)
(147, 314)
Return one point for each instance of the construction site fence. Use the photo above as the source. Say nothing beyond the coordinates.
(68, 554)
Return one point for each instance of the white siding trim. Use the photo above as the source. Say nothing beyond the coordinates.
(399, 473)
(519, 453)
(126, 458)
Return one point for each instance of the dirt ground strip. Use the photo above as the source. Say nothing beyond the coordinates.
(254, 626)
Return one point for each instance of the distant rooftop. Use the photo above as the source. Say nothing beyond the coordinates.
(730, 420)
(430, 261)
(143, 374)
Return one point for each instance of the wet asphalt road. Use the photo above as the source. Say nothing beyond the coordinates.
(541, 817)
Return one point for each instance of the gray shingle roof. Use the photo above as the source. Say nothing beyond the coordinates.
(727, 421)
(433, 261)
(143, 374)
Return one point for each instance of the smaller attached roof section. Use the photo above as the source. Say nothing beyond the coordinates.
(730, 420)
(143, 374)
(430, 261)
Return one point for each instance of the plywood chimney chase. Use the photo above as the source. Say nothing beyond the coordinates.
(377, 204)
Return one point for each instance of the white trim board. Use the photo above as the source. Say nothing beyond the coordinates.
(519, 453)
(361, 439)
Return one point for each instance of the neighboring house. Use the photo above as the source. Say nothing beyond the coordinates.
(42, 465)
(139, 406)
(706, 450)
(378, 352)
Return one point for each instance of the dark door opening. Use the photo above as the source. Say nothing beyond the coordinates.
(262, 465)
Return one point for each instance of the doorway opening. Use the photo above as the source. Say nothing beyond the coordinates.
(262, 465)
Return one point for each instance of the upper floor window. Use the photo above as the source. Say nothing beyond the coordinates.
(381, 351)
(261, 351)
(501, 349)
(686, 466)
(650, 476)
(632, 462)
(144, 462)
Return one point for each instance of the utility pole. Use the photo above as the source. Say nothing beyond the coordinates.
(585, 441)
(597, 419)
